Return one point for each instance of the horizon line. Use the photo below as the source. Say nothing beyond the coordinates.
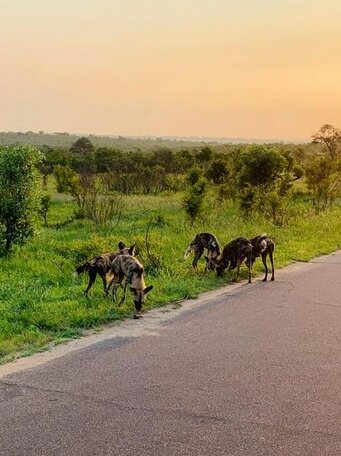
(190, 138)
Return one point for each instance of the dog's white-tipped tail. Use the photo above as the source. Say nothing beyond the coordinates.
(263, 245)
(189, 250)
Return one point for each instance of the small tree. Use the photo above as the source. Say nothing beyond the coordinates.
(91, 195)
(218, 171)
(19, 194)
(264, 178)
(82, 146)
(102, 207)
(45, 207)
(45, 169)
(193, 201)
(329, 136)
(83, 155)
(260, 166)
(323, 179)
(68, 181)
(204, 155)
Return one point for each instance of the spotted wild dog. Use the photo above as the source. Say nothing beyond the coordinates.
(232, 256)
(101, 265)
(203, 241)
(129, 268)
(263, 246)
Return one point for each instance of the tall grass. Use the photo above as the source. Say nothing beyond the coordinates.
(41, 302)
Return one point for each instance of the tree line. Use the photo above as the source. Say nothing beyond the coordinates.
(259, 177)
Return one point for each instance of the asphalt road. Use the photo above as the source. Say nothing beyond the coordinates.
(253, 370)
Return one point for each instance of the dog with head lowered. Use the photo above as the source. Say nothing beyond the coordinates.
(129, 268)
(232, 256)
(240, 249)
(101, 265)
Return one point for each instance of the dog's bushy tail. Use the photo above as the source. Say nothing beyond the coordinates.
(81, 268)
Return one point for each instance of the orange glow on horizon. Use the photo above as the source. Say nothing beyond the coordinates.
(176, 68)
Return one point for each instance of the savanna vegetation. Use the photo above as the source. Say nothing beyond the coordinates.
(87, 198)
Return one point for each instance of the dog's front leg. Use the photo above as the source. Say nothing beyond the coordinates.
(265, 267)
(239, 262)
(108, 285)
(249, 266)
(114, 290)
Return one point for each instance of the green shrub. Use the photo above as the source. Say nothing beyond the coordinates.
(19, 194)
(193, 201)
(323, 177)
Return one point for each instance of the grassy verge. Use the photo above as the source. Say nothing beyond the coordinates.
(41, 303)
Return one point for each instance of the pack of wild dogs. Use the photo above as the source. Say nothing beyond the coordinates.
(123, 269)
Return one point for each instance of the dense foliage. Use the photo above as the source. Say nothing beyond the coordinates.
(19, 194)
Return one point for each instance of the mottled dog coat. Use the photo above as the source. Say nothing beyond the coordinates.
(128, 267)
(101, 265)
(263, 246)
(203, 241)
(232, 256)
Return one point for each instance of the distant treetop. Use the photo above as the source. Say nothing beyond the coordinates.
(82, 146)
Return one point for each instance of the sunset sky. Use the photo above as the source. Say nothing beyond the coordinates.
(247, 68)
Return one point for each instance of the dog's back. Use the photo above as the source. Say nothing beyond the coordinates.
(262, 244)
(206, 240)
(200, 242)
(238, 249)
(102, 263)
(126, 265)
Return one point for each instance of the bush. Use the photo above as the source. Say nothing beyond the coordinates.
(218, 171)
(260, 166)
(267, 203)
(19, 194)
(264, 179)
(323, 179)
(193, 201)
(102, 207)
(45, 207)
(68, 181)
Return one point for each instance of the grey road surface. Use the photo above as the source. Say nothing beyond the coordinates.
(253, 370)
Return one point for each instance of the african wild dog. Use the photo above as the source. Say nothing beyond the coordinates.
(232, 256)
(263, 246)
(199, 243)
(128, 267)
(101, 265)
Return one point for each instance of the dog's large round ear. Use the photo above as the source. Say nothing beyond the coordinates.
(132, 250)
(121, 245)
(147, 290)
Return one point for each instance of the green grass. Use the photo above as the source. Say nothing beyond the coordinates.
(41, 303)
